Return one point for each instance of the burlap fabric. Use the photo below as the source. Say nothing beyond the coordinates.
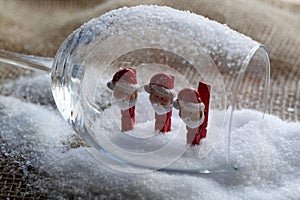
(39, 28)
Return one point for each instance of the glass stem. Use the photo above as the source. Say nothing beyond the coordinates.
(26, 61)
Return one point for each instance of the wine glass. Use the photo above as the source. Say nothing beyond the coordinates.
(154, 39)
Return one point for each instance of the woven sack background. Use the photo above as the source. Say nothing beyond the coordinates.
(39, 27)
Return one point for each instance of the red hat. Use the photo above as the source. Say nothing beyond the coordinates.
(190, 98)
(162, 83)
(163, 80)
(125, 77)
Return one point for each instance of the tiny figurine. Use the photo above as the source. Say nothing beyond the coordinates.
(125, 90)
(161, 97)
(193, 106)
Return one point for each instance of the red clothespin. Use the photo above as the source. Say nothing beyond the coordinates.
(125, 91)
(193, 109)
(204, 91)
(161, 97)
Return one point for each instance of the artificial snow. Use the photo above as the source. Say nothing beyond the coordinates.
(266, 152)
(145, 146)
(226, 47)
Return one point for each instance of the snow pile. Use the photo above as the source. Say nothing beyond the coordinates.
(268, 154)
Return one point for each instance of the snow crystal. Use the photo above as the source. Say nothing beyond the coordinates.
(266, 152)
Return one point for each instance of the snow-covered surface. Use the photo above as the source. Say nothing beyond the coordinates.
(267, 152)
(227, 47)
(145, 146)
